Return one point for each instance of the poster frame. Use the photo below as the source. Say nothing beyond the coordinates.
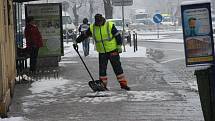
(197, 59)
(61, 53)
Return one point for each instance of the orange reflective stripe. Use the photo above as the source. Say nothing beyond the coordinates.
(123, 82)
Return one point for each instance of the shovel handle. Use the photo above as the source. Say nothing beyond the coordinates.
(75, 46)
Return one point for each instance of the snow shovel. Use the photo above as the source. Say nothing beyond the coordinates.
(95, 85)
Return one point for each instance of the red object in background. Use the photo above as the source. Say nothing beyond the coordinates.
(33, 36)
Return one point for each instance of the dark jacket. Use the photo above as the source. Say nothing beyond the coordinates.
(83, 28)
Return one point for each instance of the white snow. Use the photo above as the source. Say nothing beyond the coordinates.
(14, 119)
(45, 85)
(133, 96)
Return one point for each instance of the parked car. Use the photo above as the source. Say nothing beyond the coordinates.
(146, 21)
(119, 25)
(69, 29)
(143, 24)
(167, 20)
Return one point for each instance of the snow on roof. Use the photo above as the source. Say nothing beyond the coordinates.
(195, 2)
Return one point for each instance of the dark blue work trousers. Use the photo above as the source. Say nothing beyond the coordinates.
(33, 58)
(114, 58)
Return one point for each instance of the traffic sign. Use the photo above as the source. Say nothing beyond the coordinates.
(122, 2)
(157, 18)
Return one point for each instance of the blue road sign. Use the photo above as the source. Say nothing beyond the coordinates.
(157, 18)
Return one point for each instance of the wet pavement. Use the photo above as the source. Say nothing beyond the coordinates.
(157, 94)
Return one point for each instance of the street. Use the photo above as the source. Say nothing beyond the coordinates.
(172, 57)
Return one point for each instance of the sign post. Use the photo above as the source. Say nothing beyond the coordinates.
(122, 3)
(123, 25)
(157, 18)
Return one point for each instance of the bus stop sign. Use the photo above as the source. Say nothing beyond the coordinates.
(157, 18)
(122, 2)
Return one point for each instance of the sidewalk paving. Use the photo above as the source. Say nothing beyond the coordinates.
(157, 95)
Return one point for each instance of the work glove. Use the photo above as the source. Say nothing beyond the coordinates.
(75, 46)
(119, 48)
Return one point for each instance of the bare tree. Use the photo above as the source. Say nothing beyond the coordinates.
(76, 5)
(91, 10)
(108, 9)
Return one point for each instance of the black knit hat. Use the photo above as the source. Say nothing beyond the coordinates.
(85, 20)
(99, 19)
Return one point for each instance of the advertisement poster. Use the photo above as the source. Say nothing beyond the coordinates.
(198, 34)
(48, 18)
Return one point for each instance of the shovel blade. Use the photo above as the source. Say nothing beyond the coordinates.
(97, 85)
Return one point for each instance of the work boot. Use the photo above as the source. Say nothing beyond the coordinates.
(123, 85)
(104, 84)
(126, 88)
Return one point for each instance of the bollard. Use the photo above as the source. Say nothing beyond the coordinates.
(134, 41)
(129, 38)
(206, 85)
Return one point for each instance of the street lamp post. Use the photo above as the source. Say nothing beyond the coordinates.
(123, 25)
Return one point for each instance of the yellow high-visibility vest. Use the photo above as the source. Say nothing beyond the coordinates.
(105, 41)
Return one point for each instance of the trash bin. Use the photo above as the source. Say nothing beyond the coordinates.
(205, 81)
